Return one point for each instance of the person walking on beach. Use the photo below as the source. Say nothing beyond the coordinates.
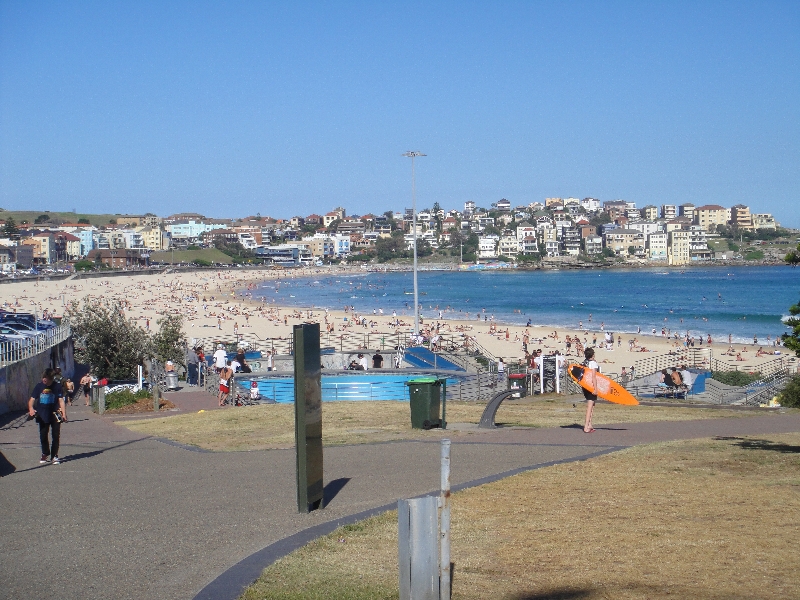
(590, 376)
(46, 405)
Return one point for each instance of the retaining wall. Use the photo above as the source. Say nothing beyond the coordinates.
(17, 379)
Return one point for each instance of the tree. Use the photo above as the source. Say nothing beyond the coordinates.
(600, 218)
(169, 343)
(111, 344)
(793, 258)
(792, 340)
(41, 219)
(84, 265)
(391, 247)
(83, 221)
(10, 229)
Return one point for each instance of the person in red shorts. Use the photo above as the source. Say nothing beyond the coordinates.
(225, 383)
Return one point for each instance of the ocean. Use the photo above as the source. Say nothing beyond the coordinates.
(739, 301)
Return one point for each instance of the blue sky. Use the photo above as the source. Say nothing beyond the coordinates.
(294, 108)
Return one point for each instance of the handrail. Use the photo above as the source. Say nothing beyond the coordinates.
(14, 351)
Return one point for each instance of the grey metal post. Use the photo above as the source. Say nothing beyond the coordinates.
(156, 397)
(101, 400)
(418, 548)
(444, 524)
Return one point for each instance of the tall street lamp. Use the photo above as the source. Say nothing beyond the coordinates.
(412, 154)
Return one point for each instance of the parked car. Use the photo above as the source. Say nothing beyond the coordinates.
(11, 335)
(20, 329)
(26, 319)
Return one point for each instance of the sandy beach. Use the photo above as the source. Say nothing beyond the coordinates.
(217, 304)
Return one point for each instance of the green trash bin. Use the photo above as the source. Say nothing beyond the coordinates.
(427, 396)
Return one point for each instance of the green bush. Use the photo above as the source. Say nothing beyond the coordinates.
(737, 378)
(790, 395)
(122, 398)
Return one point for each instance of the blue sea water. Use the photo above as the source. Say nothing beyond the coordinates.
(739, 301)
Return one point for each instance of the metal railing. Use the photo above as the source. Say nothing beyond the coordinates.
(753, 393)
(771, 367)
(13, 351)
(694, 358)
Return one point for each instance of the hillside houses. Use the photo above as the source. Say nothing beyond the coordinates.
(670, 233)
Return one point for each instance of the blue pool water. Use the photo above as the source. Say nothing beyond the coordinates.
(342, 387)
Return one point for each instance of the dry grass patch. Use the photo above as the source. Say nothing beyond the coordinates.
(706, 519)
(272, 426)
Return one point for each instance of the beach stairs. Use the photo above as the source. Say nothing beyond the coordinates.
(423, 358)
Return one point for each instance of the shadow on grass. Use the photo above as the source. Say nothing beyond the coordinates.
(748, 444)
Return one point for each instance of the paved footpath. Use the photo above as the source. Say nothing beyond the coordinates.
(129, 516)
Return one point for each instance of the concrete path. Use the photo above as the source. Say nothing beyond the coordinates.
(128, 516)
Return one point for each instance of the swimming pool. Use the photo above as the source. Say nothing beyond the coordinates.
(341, 387)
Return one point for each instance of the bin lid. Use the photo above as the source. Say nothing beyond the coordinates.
(422, 380)
(517, 376)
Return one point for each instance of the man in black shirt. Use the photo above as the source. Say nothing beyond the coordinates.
(46, 404)
(377, 360)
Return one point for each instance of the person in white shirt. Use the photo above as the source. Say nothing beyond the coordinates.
(270, 361)
(220, 356)
(363, 361)
(589, 376)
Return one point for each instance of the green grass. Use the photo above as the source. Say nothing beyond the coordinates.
(754, 255)
(211, 255)
(67, 217)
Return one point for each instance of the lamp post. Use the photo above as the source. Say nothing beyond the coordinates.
(412, 155)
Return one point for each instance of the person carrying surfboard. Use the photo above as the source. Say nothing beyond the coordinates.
(590, 378)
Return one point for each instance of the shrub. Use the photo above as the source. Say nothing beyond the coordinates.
(737, 378)
(790, 395)
(122, 398)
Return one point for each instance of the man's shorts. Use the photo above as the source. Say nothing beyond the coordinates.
(224, 389)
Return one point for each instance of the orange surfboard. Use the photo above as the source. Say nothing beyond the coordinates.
(604, 387)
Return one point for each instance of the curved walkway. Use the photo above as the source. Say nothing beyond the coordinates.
(128, 516)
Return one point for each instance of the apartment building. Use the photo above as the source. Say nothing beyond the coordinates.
(656, 248)
(698, 244)
(508, 246)
(649, 213)
(678, 247)
(593, 244)
(669, 211)
(44, 247)
(487, 246)
(740, 217)
(620, 240)
(710, 216)
(764, 221)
